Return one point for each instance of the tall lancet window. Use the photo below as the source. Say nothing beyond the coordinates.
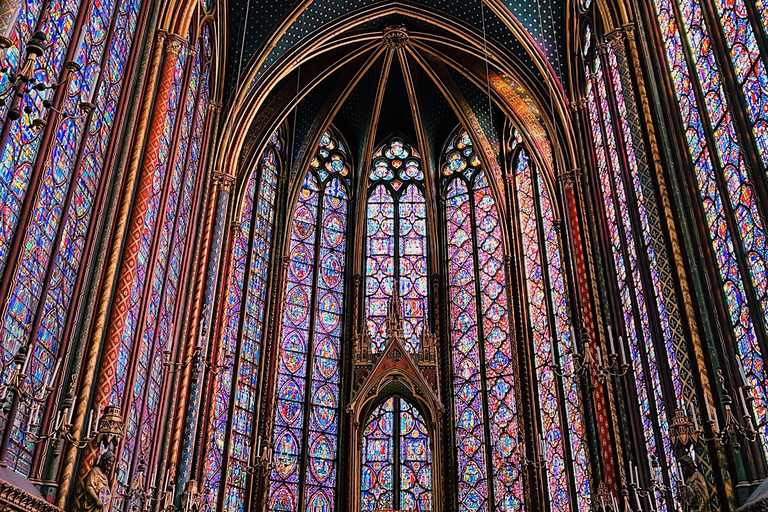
(306, 420)
(648, 322)
(396, 242)
(235, 383)
(720, 82)
(562, 442)
(486, 429)
(396, 459)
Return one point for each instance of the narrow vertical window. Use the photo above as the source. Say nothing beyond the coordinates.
(487, 437)
(396, 459)
(396, 242)
(306, 420)
(562, 444)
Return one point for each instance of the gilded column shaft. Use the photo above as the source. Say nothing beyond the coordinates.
(133, 240)
(99, 322)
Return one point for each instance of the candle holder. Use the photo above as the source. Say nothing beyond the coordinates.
(586, 365)
(604, 501)
(137, 491)
(685, 433)
(22, 82)
(191, 499)
(15, 388)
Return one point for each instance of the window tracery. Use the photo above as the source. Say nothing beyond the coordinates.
(487, 436)
(306, 417)
(239, 355)
(396, 242)
(396, 459)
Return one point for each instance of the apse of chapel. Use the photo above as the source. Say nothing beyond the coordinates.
(518, 89)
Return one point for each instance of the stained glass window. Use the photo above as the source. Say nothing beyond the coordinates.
(552, 343)
(396, 242)
(488, 452)
(239, 355)
(306, 420)
(396, 459)
(726, 185)
(63, 207)
(627, 254)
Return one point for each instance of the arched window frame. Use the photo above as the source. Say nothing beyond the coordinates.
(232, 423)
(293, 487)
(551, 337)
(498, 460)
(421, 496)
(396, 193)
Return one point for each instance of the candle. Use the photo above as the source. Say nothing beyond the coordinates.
(599, 355)
(623, 350)
(57, 423)
(610, 340)
(615, 505)
(258, 447)
(71, 412)
(54, 374)
(90, 424)
(154, 478)
(743, 401)
(637, 502)
(693, 415)
(706, 407)
(575, 341)
(743, 374)
(637, 477)
(717, 423)
(26, 360)
(631, 476)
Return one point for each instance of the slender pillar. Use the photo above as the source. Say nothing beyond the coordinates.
(133, 241)
(222, 185)
(602, 409)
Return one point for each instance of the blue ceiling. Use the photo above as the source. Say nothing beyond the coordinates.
(250, 23)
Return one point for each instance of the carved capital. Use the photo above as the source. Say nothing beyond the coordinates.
(214, 106)
(568, 178)
(580, 104)
(223, 180)
(629, 31)
(614, 37)
(174, 46)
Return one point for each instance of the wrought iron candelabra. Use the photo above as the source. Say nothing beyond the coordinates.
(21, 83)
(587, 365)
